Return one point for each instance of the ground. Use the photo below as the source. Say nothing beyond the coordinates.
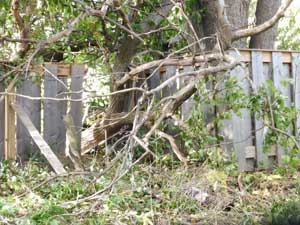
(151, 193)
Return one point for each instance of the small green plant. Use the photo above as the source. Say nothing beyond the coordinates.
(283, 213)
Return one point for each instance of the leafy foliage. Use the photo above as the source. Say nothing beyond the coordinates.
(284, 213)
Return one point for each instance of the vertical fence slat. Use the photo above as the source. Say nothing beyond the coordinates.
(226, 129)
(154, 81)
(188, 105)
(139, 83)
(54, 128)
(172, 86)
(77, 74)
(25, 145)
(10, 127)
(1, 124)
(280, 73)
(259, 78)
(296, 94)
(242, 125)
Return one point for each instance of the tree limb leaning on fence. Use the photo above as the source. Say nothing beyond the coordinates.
(146, 112)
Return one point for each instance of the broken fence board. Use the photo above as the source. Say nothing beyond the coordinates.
(25, 145)
(54, 128)
(77, 74)
(40, 142)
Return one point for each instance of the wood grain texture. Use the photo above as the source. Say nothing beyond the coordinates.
(260, 74)
(54, 128)
(242, 124)
(1, 124)
(77, 74)
(296, 89)
(172, 86)
(10, 148)
(226, 129)
(280, 74)
(37, 138)
(154, 81)
(25, 145)
(188, 105)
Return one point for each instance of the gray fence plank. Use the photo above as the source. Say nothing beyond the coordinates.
(281, 73)
(226, 129)
(188, 105)
(138, 83)
(25, 145)
(54, 128)
(259, 78)
(77, 74)
(172, 87)
(296, 90)
(154, 81)
(1, 123)
(242, 126)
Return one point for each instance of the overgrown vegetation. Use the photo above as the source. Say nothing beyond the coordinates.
(153, 193)
(160, 191)
(145, 183)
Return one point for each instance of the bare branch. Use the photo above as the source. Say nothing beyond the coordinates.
(17, 40)
(175, 148)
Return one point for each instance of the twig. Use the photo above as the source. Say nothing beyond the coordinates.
(174, 147)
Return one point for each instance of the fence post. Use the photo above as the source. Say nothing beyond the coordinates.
(10, 151)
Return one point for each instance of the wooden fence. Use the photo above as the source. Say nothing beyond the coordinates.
(241, 133)
(33, 111)
(244, 134)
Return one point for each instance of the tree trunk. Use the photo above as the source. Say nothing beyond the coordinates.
(121, 103)
(265, 9)
(237, 14)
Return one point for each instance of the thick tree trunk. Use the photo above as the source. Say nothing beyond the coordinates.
(237, 14)
(121, 103)
(265, 10)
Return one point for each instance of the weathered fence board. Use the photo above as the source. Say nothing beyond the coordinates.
(44, 147)
(25, 145)
(296, 90)
(280, 74)
(259, 77)
(154, 81)
(1, 124)
(77, 74)
(10, 126)
(242, 129)
(226, 129)
(188, 105)
(55, 134)
(172, 87)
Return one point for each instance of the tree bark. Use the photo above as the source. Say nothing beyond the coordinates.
(237, 12)
(265, 9)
